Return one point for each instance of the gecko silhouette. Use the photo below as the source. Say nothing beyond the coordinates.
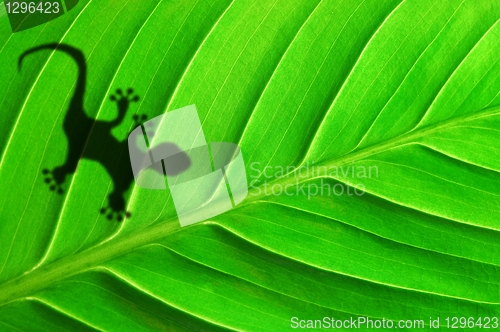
(89, 138)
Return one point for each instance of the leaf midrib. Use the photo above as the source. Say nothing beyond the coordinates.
(44, 276)
(355, 155)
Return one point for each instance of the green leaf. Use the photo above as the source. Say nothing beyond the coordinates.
(396, 103)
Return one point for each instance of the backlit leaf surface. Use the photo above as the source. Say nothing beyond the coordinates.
(408, 88)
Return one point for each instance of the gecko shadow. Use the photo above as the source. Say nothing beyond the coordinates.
(89, 138)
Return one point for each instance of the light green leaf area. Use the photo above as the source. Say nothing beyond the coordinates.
(409, 90)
